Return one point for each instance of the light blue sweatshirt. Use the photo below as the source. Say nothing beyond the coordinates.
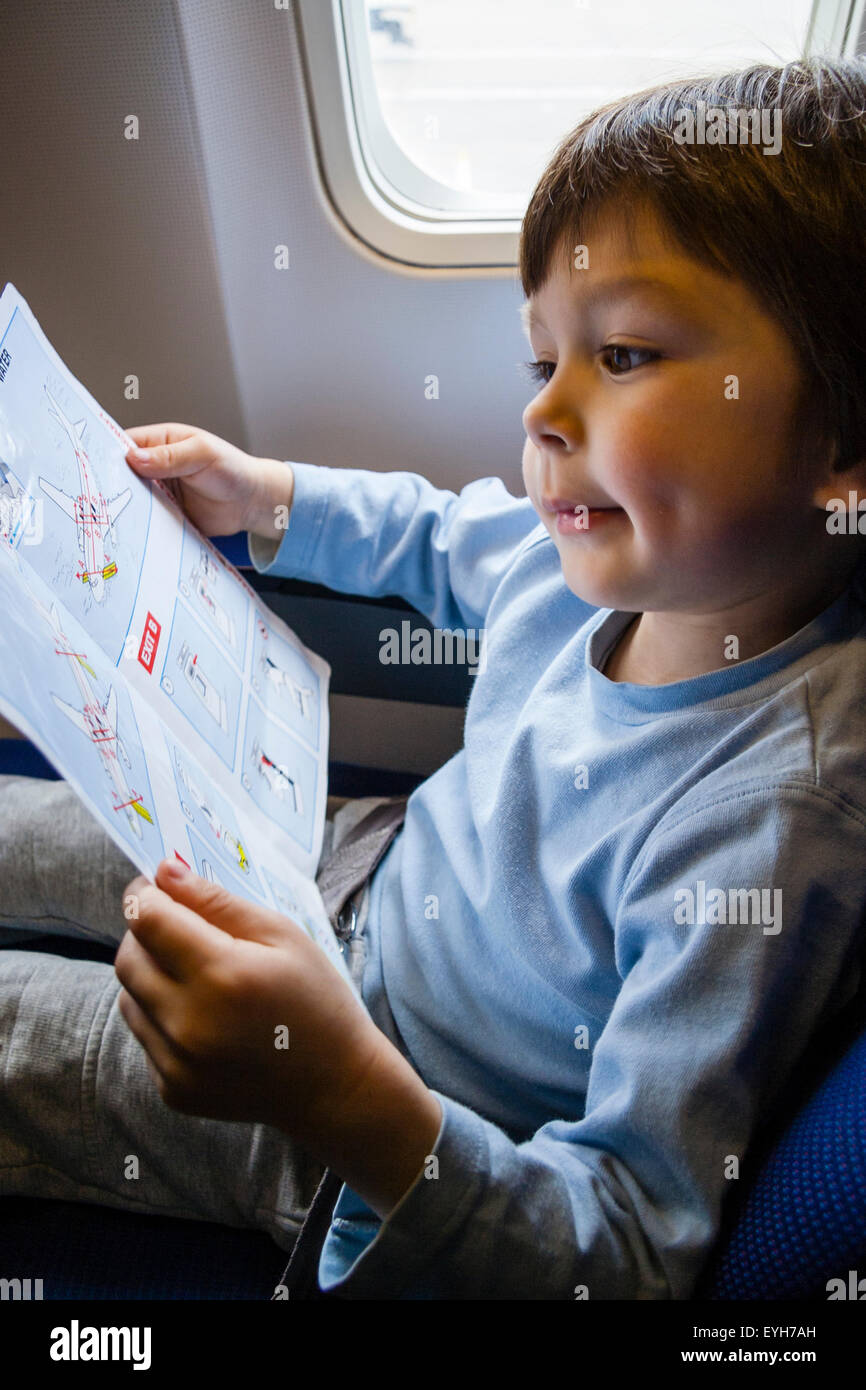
(555, 937)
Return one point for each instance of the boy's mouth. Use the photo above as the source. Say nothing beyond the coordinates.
(572, 518)
(577, 522)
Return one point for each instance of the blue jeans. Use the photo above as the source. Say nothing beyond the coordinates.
(77, 1100)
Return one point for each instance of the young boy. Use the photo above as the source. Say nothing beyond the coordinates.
(613, 923)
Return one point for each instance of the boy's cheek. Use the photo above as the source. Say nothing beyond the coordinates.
(529, 469)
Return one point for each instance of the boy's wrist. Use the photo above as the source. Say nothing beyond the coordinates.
(379, 1137)
(271, 504)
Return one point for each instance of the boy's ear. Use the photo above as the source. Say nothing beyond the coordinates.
(841, 485)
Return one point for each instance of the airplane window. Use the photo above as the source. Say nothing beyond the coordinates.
(476, 97)
(435, 118)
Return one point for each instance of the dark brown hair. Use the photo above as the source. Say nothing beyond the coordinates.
(791, 225)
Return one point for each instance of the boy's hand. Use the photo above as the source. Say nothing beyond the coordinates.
(221, 489)
(213, 984)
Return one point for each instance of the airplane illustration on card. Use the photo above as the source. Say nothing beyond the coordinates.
(287, 905)
(301, 695)
(201, 800)
(201, 684)
(276, 776)
(204, 581)
(93, 515)
(97, 720)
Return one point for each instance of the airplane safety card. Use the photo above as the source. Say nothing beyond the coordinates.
(186, 714)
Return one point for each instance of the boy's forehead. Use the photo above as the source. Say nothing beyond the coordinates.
(625, 253)
(659, 284)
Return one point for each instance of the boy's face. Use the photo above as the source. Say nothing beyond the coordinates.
(669, 415)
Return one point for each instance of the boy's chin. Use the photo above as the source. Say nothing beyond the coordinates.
(594, 590)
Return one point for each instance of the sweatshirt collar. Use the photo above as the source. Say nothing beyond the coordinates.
(737, 684)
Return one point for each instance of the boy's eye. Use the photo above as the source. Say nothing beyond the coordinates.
(620, 361)
(540, 371)
(620, 355)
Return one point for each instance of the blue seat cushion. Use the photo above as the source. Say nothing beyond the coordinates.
(802, 1217)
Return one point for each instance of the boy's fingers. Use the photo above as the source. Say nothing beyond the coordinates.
(135, 888)
(155, 1044)
(176, 937)
(142, 976)
(175, 458)
(236, 916)
(147, 436)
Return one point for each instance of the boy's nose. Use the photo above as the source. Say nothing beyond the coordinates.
(553, 419)
(555, 432)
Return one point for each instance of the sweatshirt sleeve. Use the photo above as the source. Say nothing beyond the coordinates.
(370, 533)
(624, 1202)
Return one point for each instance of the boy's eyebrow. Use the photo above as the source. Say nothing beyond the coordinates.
(528, 316)
(618, 288)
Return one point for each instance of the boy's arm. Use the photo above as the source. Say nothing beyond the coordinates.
(709, 1025)
(395, 533)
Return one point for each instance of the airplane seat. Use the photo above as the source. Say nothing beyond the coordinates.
(794, 1220)
(800, 1220)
